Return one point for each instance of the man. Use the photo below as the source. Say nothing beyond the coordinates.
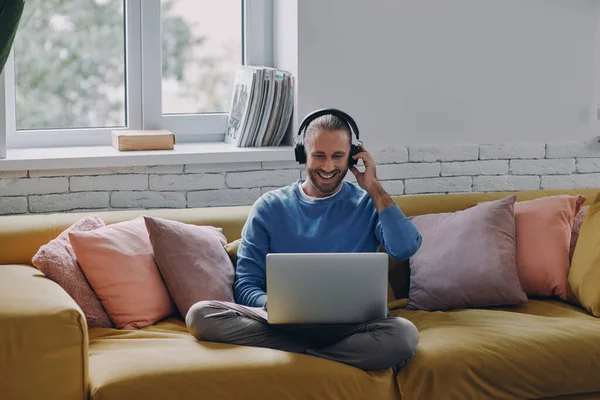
(323, 213)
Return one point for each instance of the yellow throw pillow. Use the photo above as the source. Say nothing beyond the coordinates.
(584, 275)
(231, 249)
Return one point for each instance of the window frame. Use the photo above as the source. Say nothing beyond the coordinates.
(143, 91)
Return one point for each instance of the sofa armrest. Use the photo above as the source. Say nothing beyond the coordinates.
(43, 338)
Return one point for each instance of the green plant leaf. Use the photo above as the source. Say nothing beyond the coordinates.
(10, 15)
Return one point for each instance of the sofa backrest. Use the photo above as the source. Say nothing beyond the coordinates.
(21, 236)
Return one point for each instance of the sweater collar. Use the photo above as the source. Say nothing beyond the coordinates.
(318, 200)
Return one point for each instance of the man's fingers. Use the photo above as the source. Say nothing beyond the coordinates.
(362, 155)
(355, 171)
(367, 160)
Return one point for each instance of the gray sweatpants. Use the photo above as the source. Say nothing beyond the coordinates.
(379, 344)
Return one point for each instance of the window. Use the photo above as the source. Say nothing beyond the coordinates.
(81, 68)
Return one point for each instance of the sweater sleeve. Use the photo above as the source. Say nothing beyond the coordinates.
(250, 274)
(397, 234)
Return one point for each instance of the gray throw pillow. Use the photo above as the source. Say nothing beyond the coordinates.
(467, 259)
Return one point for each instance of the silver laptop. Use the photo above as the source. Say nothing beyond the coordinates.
(327, 288)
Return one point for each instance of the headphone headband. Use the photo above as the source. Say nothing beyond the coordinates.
(328, 111)
(299, 150)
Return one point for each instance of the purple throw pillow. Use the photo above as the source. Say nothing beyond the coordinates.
(192, 261)
(467, 259)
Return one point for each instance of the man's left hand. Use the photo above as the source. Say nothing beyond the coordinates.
(368, 178)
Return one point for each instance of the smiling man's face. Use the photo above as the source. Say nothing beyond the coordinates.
(326, 161)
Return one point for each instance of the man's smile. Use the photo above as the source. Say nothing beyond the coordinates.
(327, 177)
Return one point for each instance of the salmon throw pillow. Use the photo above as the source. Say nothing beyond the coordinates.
(118, 262)
(543, 232)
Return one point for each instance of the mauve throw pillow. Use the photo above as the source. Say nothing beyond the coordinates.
(118, 262)
(467, 259)
(57, 261)
(192, 261)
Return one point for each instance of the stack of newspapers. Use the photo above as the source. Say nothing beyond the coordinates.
(261, 106)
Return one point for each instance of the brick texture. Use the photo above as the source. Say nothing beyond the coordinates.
(512, 151)
(542, 167)
(68, 201)
(505, 183)
(109, 182)
(438, 185)
(473, 168)
(256, 179)
(227, 197)
(571, 181)
(13, 205)
(186, 182)
(147, 199)
(443, 153)
(414, 170)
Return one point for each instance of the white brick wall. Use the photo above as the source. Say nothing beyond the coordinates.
(68, 201)
(155, 169)
(438, 185)
(12, 174)
(415, 170)
(505, 183)
(13, 205)
(187, 182)
(108, 182)
(411, 170)
(28, 186)
(588, 165)
(573, 149)
(571, 181)
(393, 188)
(224, 167)
(253, 179)
(542, 167)
(473, 168)
(433, 153)
(390, 155)
(226, 197)
(512, 151)
(147, 199)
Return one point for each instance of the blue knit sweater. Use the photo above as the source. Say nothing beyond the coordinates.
(288, 221)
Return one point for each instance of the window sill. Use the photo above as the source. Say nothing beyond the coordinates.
(107, 156)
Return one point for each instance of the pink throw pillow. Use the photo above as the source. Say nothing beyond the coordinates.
(192, 260)
(543, 228)
(57, 261)
(118, 262)
(577, 222)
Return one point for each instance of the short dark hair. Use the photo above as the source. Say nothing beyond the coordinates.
(328, 123)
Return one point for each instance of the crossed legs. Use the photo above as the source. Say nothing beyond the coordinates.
(374, 345)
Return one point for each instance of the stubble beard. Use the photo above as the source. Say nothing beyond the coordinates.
(326, 189)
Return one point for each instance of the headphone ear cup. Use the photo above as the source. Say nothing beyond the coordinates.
(300, 153)
(354, 150)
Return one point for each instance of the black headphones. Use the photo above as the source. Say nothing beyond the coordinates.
(299, 147)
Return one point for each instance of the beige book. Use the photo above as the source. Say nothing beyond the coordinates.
(160, 139)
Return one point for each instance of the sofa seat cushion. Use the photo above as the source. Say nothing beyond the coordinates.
(164, 362)
(536, 350)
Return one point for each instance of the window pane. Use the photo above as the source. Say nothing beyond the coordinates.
(70, 64)
(201, 46)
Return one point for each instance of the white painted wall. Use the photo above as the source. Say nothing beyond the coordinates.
(285, 48)
(459, 71)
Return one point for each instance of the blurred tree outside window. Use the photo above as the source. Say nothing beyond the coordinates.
(70, 61)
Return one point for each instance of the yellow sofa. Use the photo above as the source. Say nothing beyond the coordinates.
(544, 349)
